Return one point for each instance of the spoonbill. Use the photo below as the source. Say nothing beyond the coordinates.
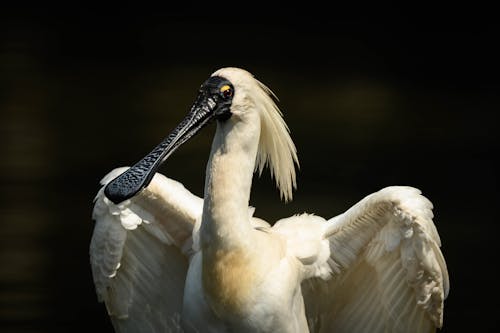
(166, 260)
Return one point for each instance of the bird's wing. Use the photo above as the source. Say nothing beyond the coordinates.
(376, 268)
(139, 253)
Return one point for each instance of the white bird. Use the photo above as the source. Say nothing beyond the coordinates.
(165, 260)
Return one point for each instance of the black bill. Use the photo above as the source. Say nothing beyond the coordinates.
(209, 104)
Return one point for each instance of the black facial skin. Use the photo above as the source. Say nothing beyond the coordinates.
(212, 88)
(213, 102)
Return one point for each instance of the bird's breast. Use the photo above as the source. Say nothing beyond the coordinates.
(229, 281)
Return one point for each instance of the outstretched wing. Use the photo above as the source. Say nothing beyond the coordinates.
(387, 271)
(139, 254)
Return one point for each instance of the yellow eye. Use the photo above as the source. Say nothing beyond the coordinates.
(226, 91)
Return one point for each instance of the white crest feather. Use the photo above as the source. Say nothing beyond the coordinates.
(276, 148)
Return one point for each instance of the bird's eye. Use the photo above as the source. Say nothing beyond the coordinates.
(226, 91)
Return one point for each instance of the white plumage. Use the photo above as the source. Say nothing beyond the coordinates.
(166, 260)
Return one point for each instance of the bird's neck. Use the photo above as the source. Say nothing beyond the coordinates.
(226, 218)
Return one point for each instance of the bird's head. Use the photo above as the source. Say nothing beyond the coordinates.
(229, 94)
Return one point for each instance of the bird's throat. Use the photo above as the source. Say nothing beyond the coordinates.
(226, 219)
(226, 216)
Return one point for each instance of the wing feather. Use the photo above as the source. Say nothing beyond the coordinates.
(387, 271)
(139, 254)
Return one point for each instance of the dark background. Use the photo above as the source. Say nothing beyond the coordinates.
(371, 100)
